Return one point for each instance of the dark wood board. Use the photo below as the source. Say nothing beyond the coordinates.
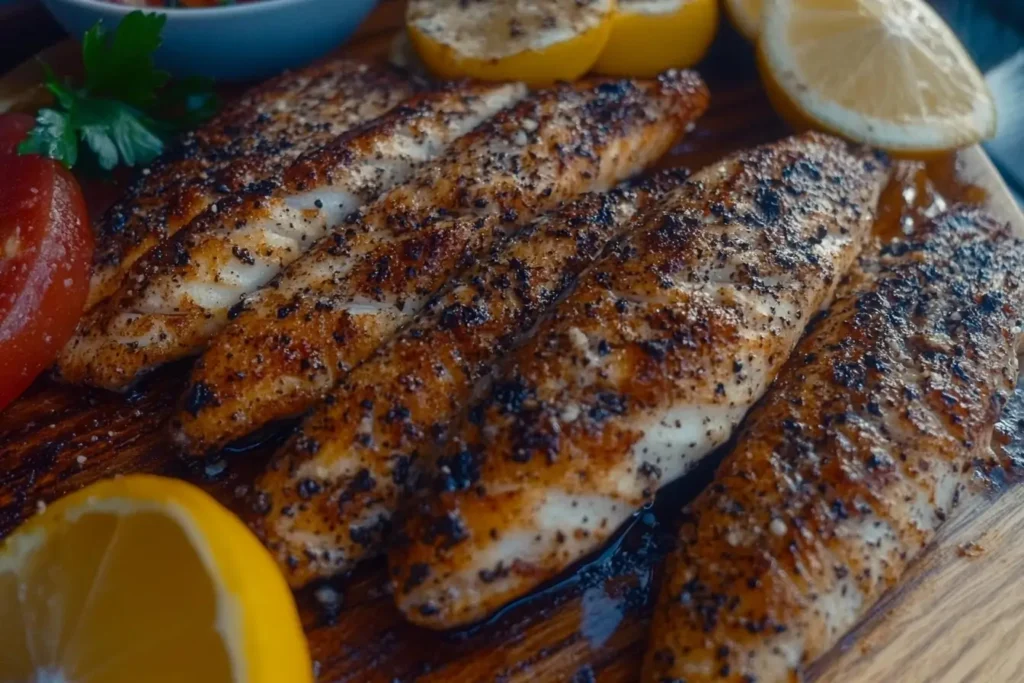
(590, 626)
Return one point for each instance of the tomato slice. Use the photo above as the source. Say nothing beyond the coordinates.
(45, 256)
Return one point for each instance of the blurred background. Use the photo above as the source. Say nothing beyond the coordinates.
(992, 30)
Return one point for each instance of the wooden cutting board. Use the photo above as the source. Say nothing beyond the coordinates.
(958, 616)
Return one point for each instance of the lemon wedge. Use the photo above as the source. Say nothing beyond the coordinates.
(534, 41)
(745, 15)
(888, 73)
(649, 36)
(143, 578)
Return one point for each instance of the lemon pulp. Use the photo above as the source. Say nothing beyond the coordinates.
(889, 73)
(144, 579)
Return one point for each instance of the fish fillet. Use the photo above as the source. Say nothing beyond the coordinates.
(879, 426)
(642, 371)
(295, 338)
(247, 142)
(178, 295)
(332, 489)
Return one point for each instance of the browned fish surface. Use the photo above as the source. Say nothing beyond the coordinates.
(246, 143)
(178, 295)
(878, 427)
(642, 371)
(332, 490)
(295, 338)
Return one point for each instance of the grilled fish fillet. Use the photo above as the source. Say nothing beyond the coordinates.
(179, 294)
(327, 312)
(879, 426)
(641, 372)
(333, 488)
(246, 143)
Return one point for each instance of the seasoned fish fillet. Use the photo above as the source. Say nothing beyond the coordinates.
(878, 427)
(178, 295)
(327, 312)
(333, 488)
(246, 143)
(642, 371)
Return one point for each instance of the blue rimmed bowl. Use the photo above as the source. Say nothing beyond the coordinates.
(233, 42)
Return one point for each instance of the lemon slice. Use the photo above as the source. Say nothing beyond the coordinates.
(745, 15)
(144, 579)
(535, 41)
(649, 36)
(888, 73)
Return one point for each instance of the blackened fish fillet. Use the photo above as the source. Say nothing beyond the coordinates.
(246, 143)
(642, 371)
(294, 339)
(877, 428)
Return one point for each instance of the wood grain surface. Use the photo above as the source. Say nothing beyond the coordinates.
(959, 616)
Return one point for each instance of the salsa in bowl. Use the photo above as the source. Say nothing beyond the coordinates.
(238, 41)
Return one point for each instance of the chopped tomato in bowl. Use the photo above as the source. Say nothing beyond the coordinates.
(45, 256)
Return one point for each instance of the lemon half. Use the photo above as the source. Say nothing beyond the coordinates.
(888, 73)
(649, 36)
(145, 579)
(534, 41)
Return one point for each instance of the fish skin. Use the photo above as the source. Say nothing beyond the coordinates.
(878, 427)
(178, 295)
(293, 340)
(247, 142)
(641, 372)
(331, 491)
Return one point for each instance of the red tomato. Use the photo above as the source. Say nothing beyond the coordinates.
(45, 255)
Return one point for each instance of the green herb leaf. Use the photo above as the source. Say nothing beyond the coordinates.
(124, 110)
(62, 93)
(117, 132)
(121, 65)
(52, 137)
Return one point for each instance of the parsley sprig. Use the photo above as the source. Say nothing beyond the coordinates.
(127, 108)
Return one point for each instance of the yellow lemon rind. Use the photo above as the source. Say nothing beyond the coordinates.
(739, 14)
(264, 635)
(642, 45)
(565, 61)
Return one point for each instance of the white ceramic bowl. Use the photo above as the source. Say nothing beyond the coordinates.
(239, 42)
